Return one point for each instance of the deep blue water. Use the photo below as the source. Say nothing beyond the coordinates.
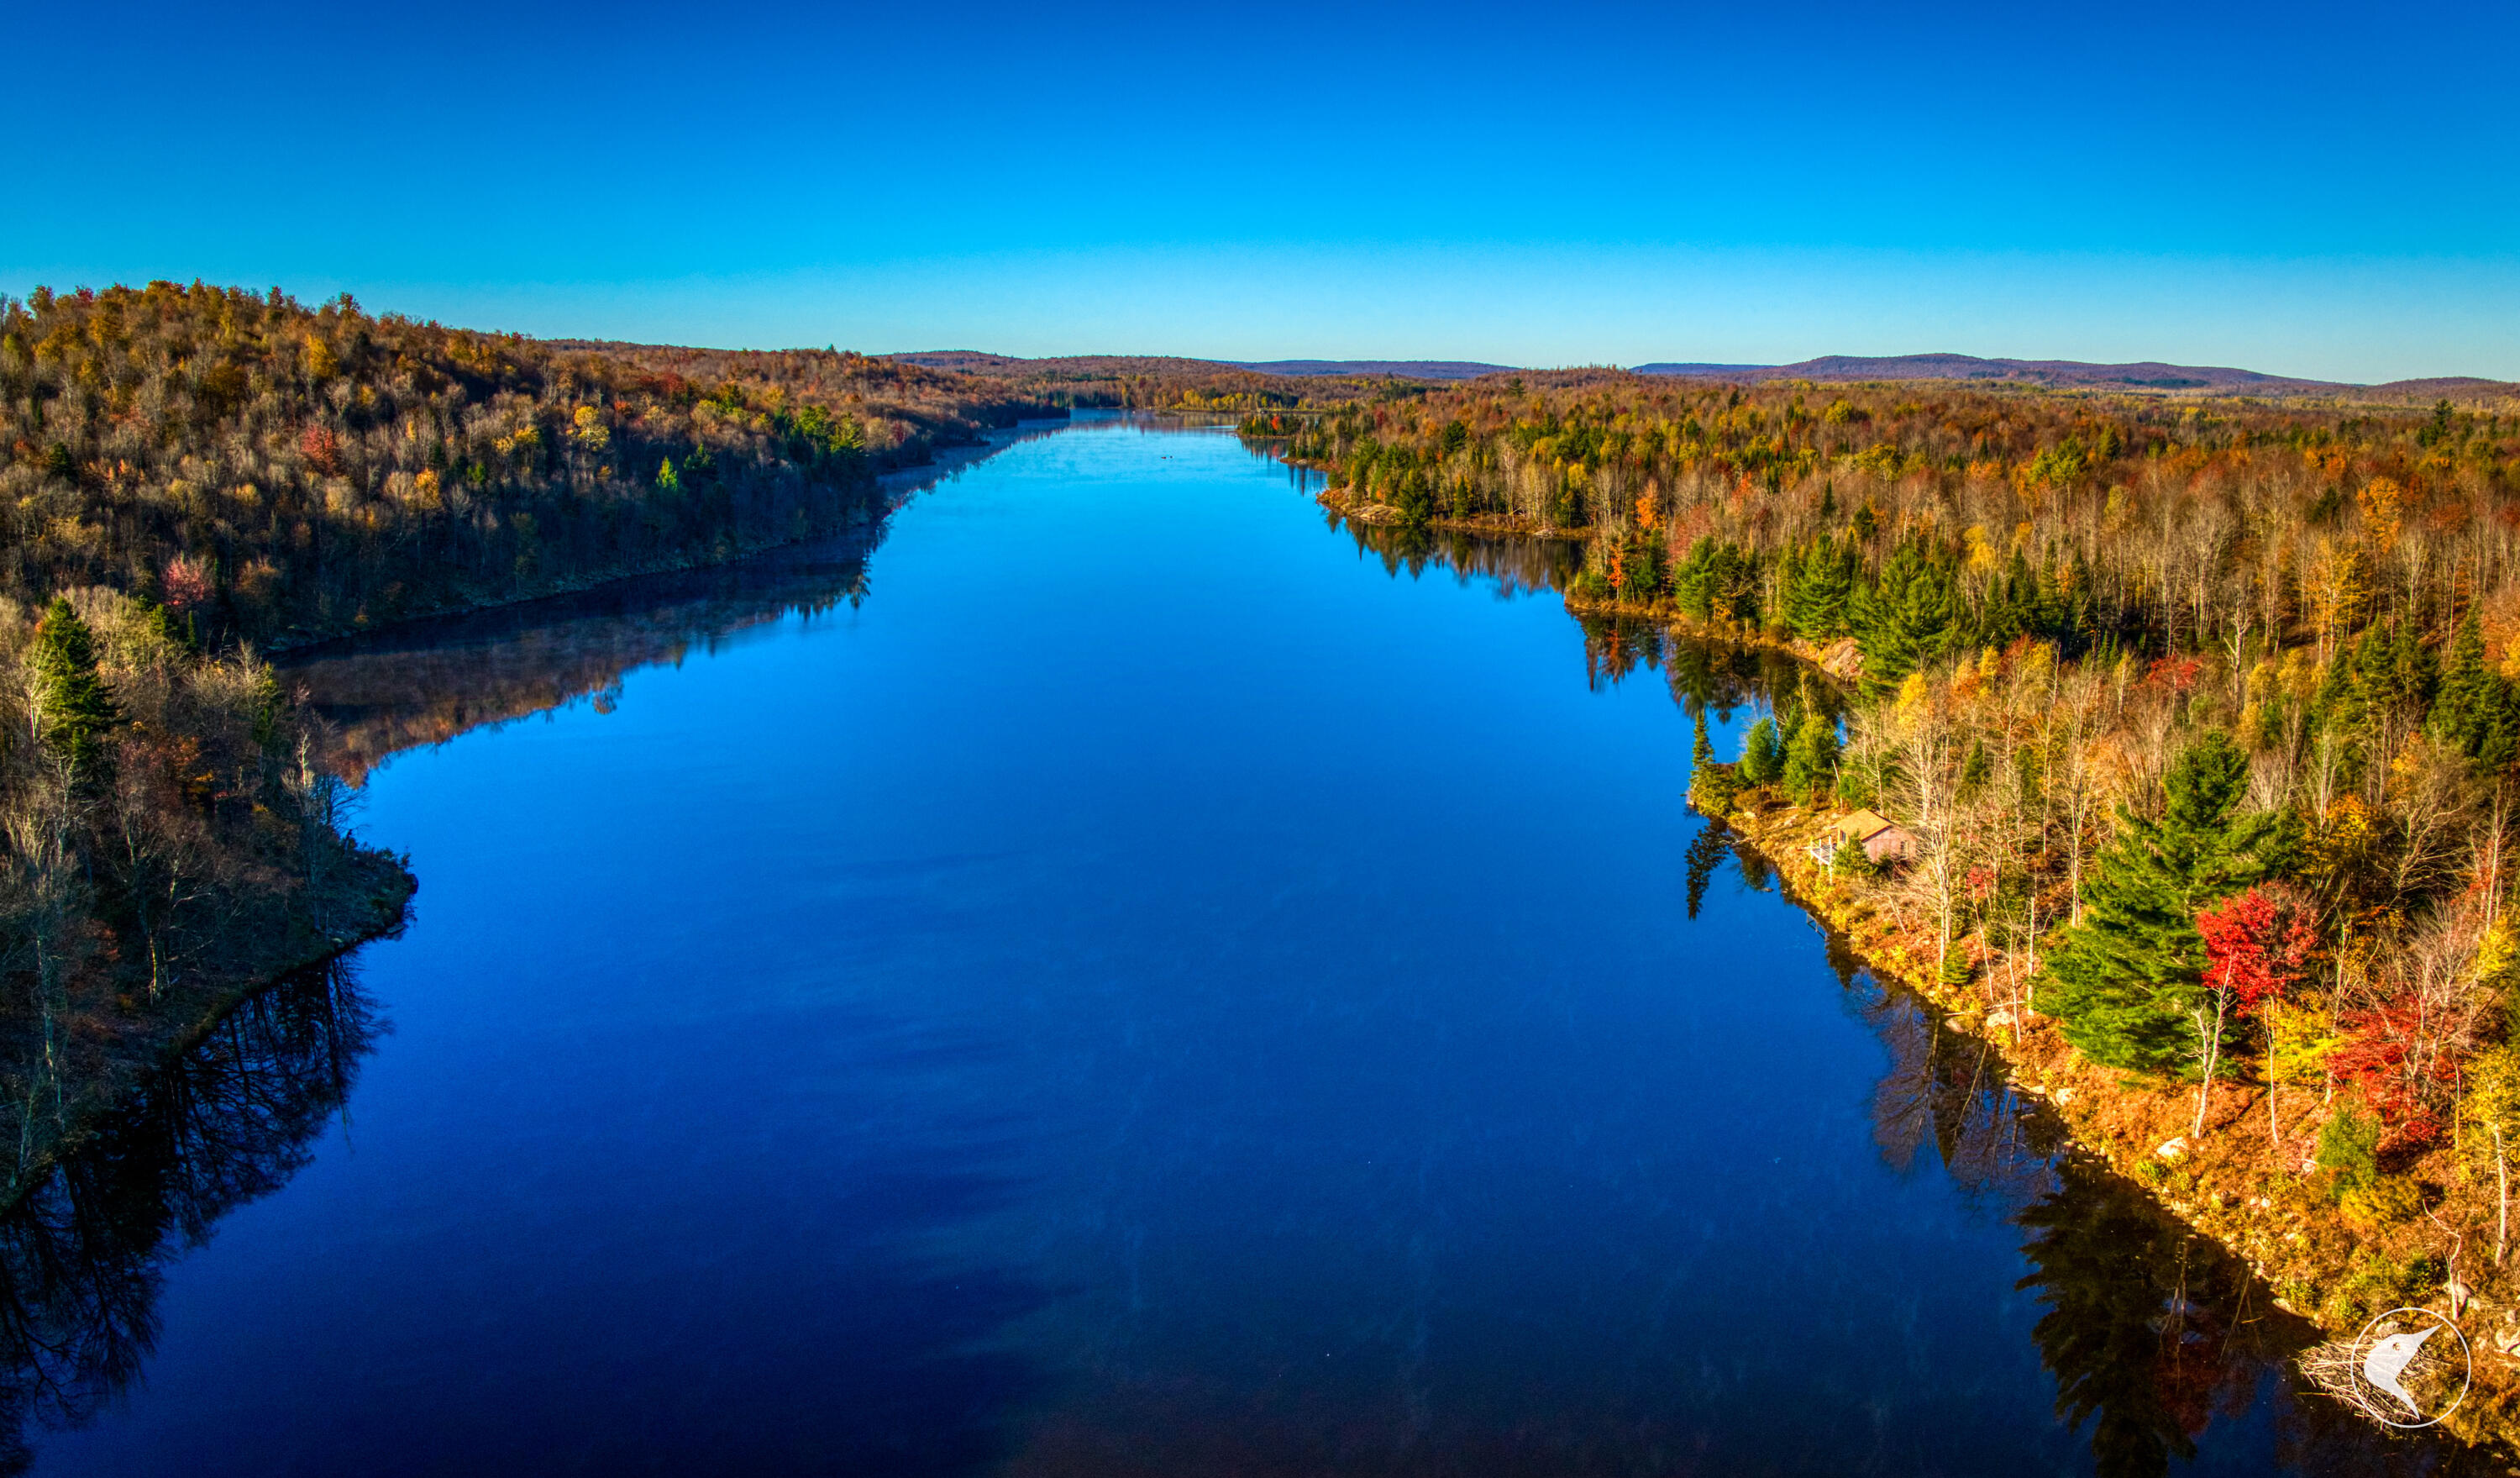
(1148, 991)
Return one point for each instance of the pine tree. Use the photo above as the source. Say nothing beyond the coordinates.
(72, 702)
(1908, 619)
(1712, 783)
(1820, 582)
(1811, 759)
(1762, 754)
(2124, 982)
(1975, 771)
(1693, 579)
(2477, 712)
(1791, 597)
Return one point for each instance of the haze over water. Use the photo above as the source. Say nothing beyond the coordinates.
(1148, 991)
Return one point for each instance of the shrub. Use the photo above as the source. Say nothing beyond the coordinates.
(2349, 1148)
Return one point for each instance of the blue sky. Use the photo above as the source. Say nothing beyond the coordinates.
(2315, 190)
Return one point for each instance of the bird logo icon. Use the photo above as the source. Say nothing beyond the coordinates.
(2399, 1352)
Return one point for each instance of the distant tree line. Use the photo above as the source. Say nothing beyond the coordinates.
(269, 471)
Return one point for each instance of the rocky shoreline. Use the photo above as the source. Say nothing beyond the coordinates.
(2234, 1184)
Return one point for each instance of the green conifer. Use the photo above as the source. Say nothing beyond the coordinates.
(2476, 712)
(72, 702)
(1820, 582)
(1975, 771)
(2123, 982)
(1811, 759)
(1908, 619)
(1762, 754)
(1712, 783)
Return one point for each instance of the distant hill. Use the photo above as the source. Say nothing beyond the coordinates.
(2443, 388)
(2052, 374)
(1406, 369)
(982, 362)
(2076, 374)
(2148, 375)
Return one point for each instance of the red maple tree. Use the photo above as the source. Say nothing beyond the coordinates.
(2258, 946)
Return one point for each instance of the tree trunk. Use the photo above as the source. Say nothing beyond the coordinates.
(2212, 1053)
(2502, 1197)
(2275, 1131)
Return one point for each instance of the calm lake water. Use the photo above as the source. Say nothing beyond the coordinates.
(1115, 978)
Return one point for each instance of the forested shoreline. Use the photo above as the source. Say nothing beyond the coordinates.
(274, 473)
(2197, 723)
(197, 475)
(171, 846)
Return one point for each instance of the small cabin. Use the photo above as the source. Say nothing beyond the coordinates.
(1882, 838)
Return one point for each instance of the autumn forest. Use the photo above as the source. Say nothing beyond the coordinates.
(2195, 724)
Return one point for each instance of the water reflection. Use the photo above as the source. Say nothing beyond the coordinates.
(424, 683)
(1512, 565)
(2151, 1332)
(82, 1257)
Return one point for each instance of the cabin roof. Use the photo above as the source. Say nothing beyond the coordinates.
(1863, 825)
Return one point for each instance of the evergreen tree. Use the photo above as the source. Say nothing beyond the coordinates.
(1718, 580)
(1975, 771)
(2392, 681)
(1811, 759)
(1819, 583)
(1790, 585)
(1908, 619)
(2009, 608)
(1762, 754)
(2463, 697)
(1693, 580)
(2476, 712)
(2122, 983)
(72, 702)
(1646, 572)
(1712, 783)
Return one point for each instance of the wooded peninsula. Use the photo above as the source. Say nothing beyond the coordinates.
(2170, 744)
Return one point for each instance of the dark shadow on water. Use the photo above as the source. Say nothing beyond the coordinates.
(83, 1258)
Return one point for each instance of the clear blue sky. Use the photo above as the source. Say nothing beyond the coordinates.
(2314, 189)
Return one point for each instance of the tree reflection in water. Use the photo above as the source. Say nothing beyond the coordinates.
(82, 1257)
(2151, 1330)
(1513, 566)
(423, 682)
